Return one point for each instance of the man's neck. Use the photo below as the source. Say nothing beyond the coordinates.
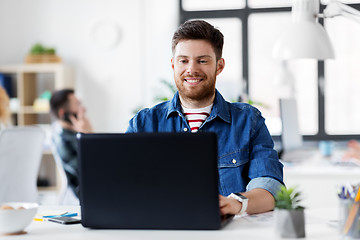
(195, 104)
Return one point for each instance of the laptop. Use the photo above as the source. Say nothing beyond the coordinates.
(149, 181)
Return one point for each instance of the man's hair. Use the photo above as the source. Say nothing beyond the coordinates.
(59, 99)
(199, 30)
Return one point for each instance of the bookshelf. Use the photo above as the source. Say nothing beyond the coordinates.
(28, 82)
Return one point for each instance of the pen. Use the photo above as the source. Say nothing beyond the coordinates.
(350, 190)
(62, 215)
(41, 219)
(352, 214)
(341, 194)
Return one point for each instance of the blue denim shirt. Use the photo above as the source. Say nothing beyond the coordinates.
(247, 158)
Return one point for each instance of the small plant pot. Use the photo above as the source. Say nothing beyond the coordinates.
(290, 223)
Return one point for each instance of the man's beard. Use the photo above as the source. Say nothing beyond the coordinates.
(206, 91)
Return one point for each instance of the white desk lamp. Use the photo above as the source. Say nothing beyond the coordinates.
(306, 38)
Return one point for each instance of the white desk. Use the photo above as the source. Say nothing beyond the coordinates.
(319, 179)
(240, 228)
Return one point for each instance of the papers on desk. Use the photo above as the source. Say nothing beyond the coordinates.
(53, 214)
(352, 162)
(262, 218)
(304, 155)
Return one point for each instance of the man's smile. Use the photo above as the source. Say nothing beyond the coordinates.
(193, 80)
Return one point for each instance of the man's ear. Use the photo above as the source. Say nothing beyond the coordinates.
(61, 113)
(172, 63)
(220, 66)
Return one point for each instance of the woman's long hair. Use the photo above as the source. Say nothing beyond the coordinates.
(4, 107)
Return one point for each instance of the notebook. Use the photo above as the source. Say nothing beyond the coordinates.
(149, 181)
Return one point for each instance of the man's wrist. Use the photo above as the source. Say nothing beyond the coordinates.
(241, 199)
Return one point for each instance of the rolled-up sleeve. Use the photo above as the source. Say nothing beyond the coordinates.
(269, 184)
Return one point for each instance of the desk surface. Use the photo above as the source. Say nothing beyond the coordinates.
(319, 179)
(249, 227)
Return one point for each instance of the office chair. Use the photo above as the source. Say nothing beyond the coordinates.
(65, 195)
(62, 175)
(20, 156)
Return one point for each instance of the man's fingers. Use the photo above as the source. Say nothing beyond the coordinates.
(81, 112)
(228, 205)
(226, 209)
(222, 200)
(72, 119)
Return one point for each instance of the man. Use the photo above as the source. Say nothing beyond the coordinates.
(247, 161)
(70, 119)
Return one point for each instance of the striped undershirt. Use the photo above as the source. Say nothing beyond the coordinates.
(196, 117)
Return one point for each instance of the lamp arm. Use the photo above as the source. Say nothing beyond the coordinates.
(336, 8)
(351, 16)
(349, 9)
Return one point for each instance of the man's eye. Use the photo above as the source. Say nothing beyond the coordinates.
(203, 61)
(182, 61)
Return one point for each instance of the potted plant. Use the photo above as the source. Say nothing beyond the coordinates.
(289, 214)
(41, 54)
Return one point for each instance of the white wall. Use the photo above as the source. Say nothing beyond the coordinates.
(113, 80)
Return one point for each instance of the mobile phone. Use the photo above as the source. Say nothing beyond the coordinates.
(67, 118)
(65, 220)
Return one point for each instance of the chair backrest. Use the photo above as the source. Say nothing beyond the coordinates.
(62, 175)
(20, 156)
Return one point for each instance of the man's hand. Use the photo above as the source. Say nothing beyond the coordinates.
(229, 205)
(259, 201)
(81, 123)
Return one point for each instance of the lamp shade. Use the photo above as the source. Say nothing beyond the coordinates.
(303, 39)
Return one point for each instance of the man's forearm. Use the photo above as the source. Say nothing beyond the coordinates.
(259, 201)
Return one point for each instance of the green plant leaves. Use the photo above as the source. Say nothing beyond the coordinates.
(288, 198)
(38, 49)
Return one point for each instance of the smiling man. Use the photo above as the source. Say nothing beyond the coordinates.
(249, 170)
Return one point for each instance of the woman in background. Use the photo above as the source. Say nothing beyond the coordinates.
(4, 109)
(354, 150)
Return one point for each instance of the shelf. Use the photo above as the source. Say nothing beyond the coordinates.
(30, 83)
(32, 68)
(31, 110)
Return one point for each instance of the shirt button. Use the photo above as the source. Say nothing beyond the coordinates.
(185, 129)
(233, 161)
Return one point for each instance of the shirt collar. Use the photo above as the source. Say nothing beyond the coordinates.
(220, 107)
(174, 106)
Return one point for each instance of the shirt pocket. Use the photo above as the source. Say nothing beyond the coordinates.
(233, 172)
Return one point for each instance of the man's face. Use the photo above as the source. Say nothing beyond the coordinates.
(73, 104)
(195, 69)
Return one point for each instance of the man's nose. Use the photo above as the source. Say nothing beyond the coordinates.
(192, 68)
